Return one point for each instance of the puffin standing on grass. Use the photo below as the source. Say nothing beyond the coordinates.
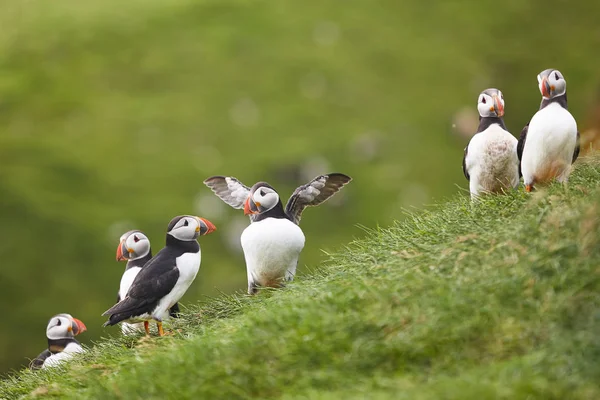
(490, 163)
(273, 241)
(549, 144)
(62, 345)
(166, 277)
(134, 247)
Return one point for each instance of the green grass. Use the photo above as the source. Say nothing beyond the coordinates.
(113, 112)
(494, 300)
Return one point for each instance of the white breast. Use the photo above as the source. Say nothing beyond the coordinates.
(271, 249)
(127, 279)
(126, 282)
(70, 350)
(188, 265)
(549, 147)
(492, 161)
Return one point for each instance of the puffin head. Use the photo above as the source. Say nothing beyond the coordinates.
(188, 227)
(261, 199)
(551, 83)
(132, 246)
(64, 326)
(491, 103)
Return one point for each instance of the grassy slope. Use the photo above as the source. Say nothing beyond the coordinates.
(495, 300)
(104, 103)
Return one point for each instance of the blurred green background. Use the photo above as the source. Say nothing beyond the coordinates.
(112, 114)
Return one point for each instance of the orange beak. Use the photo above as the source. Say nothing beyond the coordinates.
(545, 86)
(120, 252)
(77, 327)
(498, 106)
(210, 225)
(247, 210)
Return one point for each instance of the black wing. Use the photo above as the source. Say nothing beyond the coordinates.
(38, 362)
(465, 164)
(154, 281)
(577, 148)
(314, 193)
(521, 146)
(229, 189)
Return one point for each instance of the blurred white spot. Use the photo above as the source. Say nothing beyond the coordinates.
(313, 85)
(117, 228)
(314, 167)
(365, 147)
(208, 205)
(244, 112)
(413, 194)
(207, 156)
(465, 122)
(233, 230)
(326, 33)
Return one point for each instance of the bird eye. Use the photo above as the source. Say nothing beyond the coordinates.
(136, 239)
(185, 223)
(556, 75)
(483, 100)
(262, 193)
(58, 323)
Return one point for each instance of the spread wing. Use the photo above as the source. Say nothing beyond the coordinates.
(577, 148)
(465, 164)
(154, 281)
(521, 146)
(314, 193)
(38, 362)
(229, 189)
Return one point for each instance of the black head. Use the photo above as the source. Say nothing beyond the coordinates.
(133, 245)
(490, 103)
(63, 326)
(262, 198)
(188, 227)
(551, 84)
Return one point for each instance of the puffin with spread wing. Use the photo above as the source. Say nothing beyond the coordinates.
(273, 241)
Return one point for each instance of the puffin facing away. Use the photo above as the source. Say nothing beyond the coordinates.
(549, 144)
(166, 277)
(61, 332)
(273, 241)
(490, 163)
(134, 247)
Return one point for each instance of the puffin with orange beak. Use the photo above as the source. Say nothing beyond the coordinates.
(490, 161)
(62, 345)
(549, 143)
(134, 247)
(273, 241)
(165, 278)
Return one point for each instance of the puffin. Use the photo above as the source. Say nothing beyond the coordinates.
(549, 144)
(165, 278)
(134, 247)
(273, 241)
(62, 345)
(490, 161)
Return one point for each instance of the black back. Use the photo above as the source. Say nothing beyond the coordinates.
(486, 122)
(156, 279)
(521, 146)
(140, 262)
(561, 100)
(54, 346)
